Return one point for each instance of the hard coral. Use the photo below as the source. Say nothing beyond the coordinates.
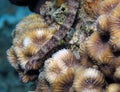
(89, 80)
(36, 38)
(59, 64)
(98, 49)
(102, 45)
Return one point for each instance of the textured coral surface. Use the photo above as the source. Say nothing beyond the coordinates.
(69, 46)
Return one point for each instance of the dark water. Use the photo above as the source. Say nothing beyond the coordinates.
(10, 15)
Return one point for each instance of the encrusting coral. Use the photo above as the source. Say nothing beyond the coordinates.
(45, 49)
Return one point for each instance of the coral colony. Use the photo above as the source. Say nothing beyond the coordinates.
(68, 45)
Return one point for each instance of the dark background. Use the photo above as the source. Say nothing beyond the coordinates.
(10, 15)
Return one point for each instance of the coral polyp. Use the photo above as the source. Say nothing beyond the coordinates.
(54, 69)
(98, 49)
(12, 57)
(102, 23)
(31, 22)
(66, 56)
(89, 80)
(33, 41)
(117, 74)
(65, 84)
(61, 62)
(113, 87)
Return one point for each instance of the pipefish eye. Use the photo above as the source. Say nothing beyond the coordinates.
(60, 14)
(64, 8)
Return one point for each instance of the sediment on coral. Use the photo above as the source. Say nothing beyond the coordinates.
(91, 63)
